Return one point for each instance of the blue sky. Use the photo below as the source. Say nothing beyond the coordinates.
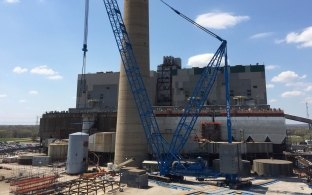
(41, 41)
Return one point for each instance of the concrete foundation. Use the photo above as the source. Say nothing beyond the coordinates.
(136, 178)
(25, 159)
(41, 160)
(244, 172)
(230, 158)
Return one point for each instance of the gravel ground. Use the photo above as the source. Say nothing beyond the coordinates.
(4, 188)
(289, 185)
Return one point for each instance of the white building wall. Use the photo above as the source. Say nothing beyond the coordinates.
(258, 128)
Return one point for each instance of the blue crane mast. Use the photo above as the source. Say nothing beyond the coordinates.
(157, 143)
(201, 91)
(167, 154)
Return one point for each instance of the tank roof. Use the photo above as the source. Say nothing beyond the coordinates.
(272, 161)
(78, 133)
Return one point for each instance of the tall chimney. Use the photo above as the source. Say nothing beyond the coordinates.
(130, 136)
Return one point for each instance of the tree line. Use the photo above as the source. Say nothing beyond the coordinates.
(18, 131)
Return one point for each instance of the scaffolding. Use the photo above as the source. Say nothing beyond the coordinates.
(33, 180)
(34, 185)
(164, 80)
(90, 183)
(303, 167)
(49, 181)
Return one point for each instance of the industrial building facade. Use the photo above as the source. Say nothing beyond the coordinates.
(172, 86)
(253, 121)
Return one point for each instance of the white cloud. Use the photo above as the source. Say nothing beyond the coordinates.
(33, 92)
(46, 71)
(11, 1)
(55, 77)
(270, 86)
(279, 41)
(308, 88)
(261, 35)
(302, 39)
(271, 67)
(19, 70)
(287, 77)
(296, 84)
(291, 94)
(22, 101)
(219, 20)
(3, 95)
(200, 60)
(273, 100)
(43, 70)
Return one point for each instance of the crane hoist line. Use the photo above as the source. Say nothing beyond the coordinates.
(166, 153)
(83, 80)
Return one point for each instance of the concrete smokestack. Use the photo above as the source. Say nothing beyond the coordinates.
(130, 136)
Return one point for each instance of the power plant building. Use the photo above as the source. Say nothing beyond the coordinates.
(252, 119)
(172, 86)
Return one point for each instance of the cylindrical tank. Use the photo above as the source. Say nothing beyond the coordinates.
(77, 155)
(58, 151)
(130, 136)
(272, 167)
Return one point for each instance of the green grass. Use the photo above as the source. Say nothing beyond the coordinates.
(28, 139)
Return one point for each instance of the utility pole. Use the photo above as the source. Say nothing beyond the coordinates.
(308, 117)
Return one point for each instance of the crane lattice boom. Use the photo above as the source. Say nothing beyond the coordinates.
(167, 155)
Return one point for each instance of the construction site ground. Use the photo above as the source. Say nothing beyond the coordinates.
(285, 185)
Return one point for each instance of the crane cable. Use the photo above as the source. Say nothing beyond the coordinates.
(228, 105)
(194, 23)
(84, 49)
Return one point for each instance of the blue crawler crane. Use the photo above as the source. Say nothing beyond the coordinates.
(168, 154)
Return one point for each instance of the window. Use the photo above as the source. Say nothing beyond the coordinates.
(248, 92)
(231, 93)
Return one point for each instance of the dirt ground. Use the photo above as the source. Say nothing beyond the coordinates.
(4, 188)
(288, 185)
(278, 187)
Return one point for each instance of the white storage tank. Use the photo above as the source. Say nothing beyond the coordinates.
(77, 155)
